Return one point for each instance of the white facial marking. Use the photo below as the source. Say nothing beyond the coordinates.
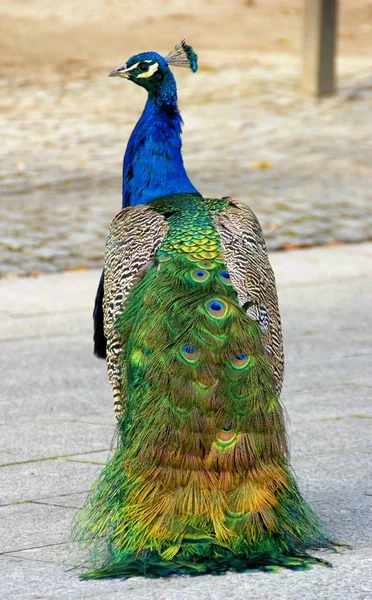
(150, 72)
(132, 67)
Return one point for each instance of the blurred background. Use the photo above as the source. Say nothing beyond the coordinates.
(303, 165)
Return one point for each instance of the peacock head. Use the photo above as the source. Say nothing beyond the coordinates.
(150, 69)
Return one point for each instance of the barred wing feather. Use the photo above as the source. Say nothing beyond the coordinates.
(134, 237)
(245, 254)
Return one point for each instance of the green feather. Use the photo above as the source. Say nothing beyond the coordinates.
(200, 481)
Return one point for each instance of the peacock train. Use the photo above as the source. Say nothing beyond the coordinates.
(187, 317)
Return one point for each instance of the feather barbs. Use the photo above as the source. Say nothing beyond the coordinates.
(183, 55)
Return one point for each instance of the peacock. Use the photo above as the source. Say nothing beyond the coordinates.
(187, 316)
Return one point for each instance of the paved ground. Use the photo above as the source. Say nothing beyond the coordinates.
(57, 423)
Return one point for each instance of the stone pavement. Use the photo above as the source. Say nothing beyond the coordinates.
(56, 426)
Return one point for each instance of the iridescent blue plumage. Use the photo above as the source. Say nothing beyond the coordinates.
(153, 165)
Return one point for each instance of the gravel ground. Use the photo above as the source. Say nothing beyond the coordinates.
(304, 167)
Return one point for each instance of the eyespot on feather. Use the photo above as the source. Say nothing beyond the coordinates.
(226, 436)
(189, 352)
(224, 277)
(200, 275)
(240, 361)
(217, 308)
(206, 264)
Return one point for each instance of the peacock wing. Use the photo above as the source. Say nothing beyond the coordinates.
(252, 277)
(99, 340)
(134, 237)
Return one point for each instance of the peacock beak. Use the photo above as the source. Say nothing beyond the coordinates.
(120, 72)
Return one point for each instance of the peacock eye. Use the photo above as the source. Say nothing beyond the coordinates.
(143, 67)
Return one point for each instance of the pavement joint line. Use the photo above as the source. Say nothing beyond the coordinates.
(328, 282)
(52, 504)
(63, 495)
(88, 422)
(16, 503)
(44, 314)
(334, 389)
(6, 552)
(318, 335)
(85, 462)
(42, 337)
(61, 457)
(40, 560)
(328, 388)
(30, 500)
(329, 360)
(335, 326)
(332, 419)
(61, 420)
(50, 421)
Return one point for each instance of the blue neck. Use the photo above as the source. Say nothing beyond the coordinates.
(153, 165)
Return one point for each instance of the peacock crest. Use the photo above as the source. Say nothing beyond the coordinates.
(183, 55)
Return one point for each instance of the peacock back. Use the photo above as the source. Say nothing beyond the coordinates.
(200, 481)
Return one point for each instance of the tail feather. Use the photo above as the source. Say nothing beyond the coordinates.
(200, 481)
(208, 561)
